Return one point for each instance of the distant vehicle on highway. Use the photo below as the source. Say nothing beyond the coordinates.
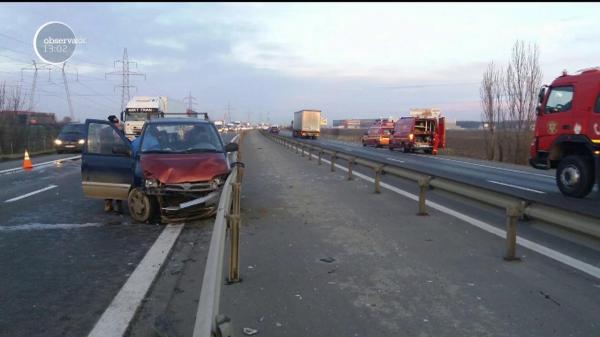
(178, 171)
(141, 109)
(274, 130)
(379, 134)
(71, 138)
(425, 130)
(307, 124)
(567, 132)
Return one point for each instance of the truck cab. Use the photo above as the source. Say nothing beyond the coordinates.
(567, 131)
(139, 110)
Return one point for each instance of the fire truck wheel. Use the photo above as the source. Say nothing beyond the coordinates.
(575, 176)
(141, 206)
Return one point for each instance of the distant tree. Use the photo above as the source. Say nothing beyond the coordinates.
(492, 115)
(522, 81)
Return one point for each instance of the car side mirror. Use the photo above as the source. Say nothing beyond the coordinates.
(231, 147)
(121, 149)
(538, 110)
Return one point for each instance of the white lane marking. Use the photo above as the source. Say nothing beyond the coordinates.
(31, 193)
(57, 161)
(44, 226)
(116, 318)
(548, 252)
(394, 159)
(489, 166)
(516, 186)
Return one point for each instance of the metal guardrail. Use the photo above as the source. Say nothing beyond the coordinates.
(515, 207)
(209, 320)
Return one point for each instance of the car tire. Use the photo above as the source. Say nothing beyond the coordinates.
(575, 176)
(364, 144)
(428, 151)
(141, 206)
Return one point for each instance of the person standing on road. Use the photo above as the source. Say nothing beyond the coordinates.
(108, 203)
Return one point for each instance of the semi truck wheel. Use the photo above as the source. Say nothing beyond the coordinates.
(141, 206)
(575, 176)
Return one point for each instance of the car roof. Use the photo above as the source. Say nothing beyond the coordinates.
(178, 121)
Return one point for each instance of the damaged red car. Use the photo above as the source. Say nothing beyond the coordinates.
(176, 169)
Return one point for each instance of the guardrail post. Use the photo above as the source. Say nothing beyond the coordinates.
(350, 164)
(423, 186)
(378, 170)
(333, 155)
(234, 225)
(320, 154)
(512, 217)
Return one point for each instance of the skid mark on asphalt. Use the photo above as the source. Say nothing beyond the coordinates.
(40, 226)
(31, 193)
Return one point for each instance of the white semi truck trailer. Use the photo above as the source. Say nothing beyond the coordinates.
(307, 124)
(143, 108)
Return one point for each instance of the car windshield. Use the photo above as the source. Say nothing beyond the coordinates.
(73, 128)
(140, 116)
(181, 138)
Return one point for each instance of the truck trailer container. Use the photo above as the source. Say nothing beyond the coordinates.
(307, 124)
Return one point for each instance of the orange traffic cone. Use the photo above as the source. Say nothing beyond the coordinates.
(27, 162)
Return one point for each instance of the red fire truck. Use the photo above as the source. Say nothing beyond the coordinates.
(567, 131)
(425, 130)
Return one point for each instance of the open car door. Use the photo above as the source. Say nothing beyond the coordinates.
(106, 162)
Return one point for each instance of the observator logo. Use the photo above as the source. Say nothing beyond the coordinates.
(54, 42)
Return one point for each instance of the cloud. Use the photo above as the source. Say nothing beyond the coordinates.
(166, 42)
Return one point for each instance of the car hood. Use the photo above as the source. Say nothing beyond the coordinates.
(181, 168)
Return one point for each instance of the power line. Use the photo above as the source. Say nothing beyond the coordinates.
(125, 73)
(190, 102)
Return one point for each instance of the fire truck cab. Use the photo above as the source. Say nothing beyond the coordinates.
(567, 131)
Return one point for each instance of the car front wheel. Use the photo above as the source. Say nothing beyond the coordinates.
(141, 206)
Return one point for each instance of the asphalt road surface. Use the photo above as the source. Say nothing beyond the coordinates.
(323, 256)
(516, 180)
(63, 258)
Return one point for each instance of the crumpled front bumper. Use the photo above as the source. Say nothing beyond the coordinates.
(209, 199)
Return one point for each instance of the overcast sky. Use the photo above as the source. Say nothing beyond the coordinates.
(351, 60)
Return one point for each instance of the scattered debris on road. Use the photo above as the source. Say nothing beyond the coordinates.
(250, 331)
(327, 259)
